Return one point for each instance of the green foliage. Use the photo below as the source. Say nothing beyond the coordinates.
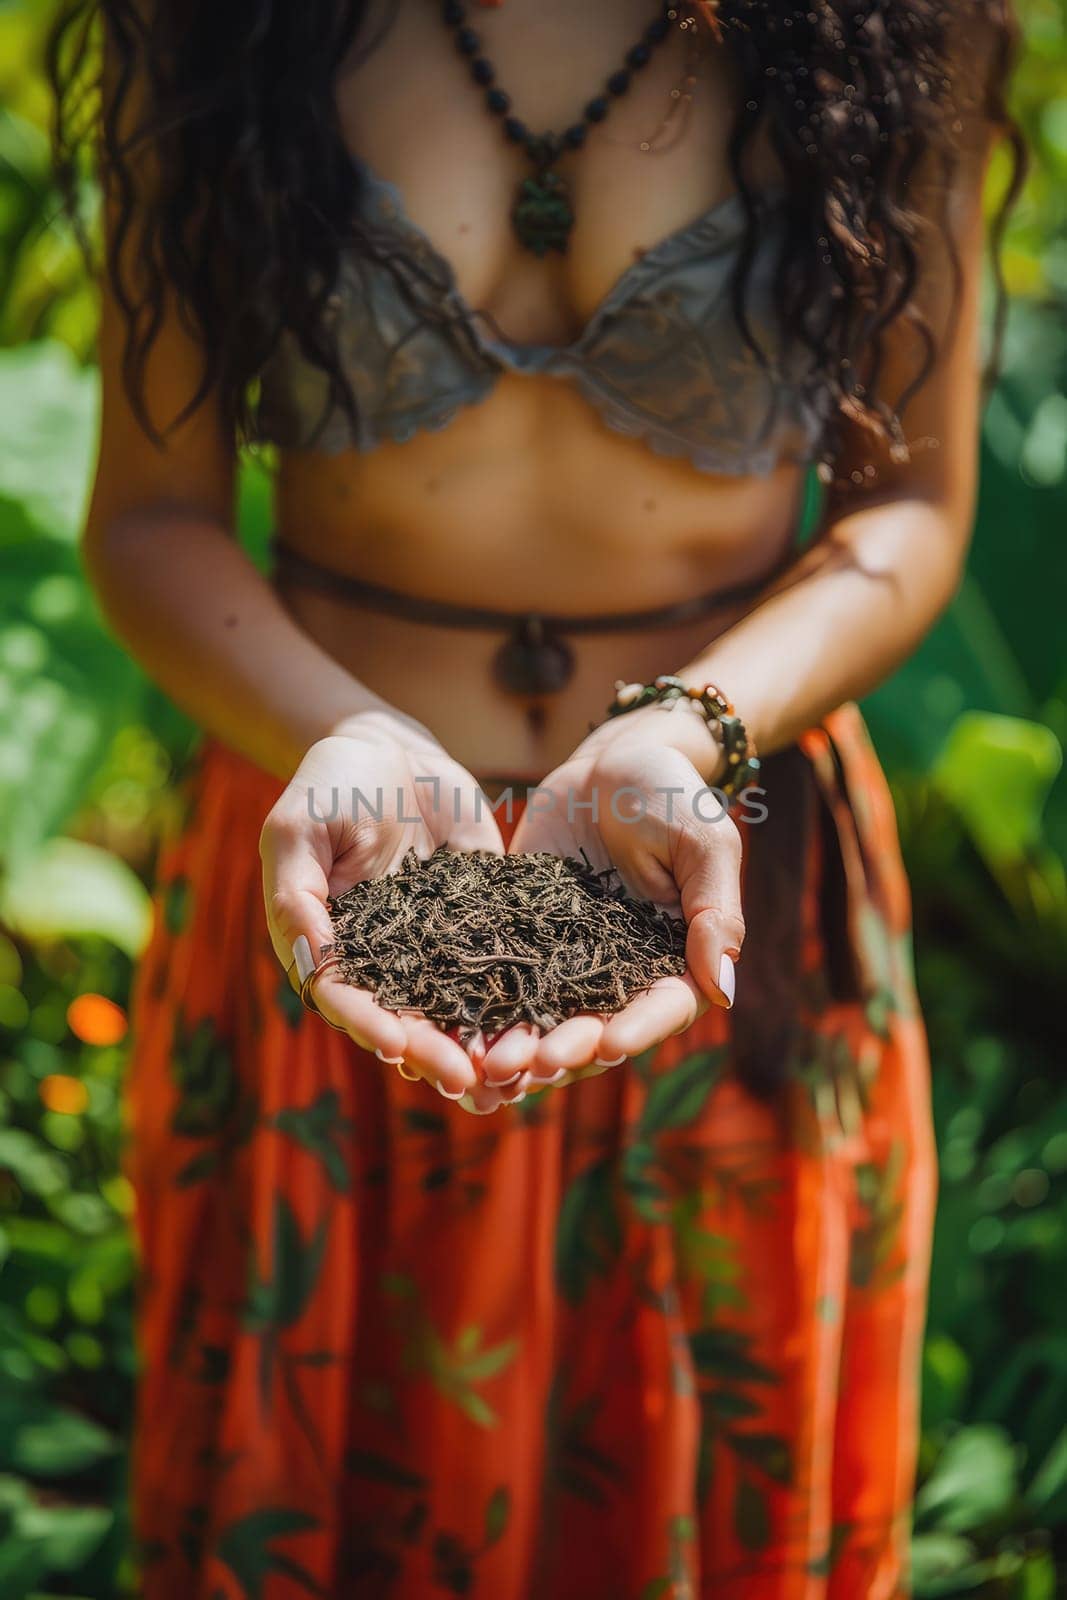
(971, 730)
(991, 943)
(66, 1360)
(997, 772)
(68, 888)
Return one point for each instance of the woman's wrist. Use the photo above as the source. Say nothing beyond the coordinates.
(380, 720)
(678, 725)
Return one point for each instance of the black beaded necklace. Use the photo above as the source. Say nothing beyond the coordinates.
(542, 214)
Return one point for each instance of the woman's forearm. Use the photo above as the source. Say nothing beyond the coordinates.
(858, 602)
(210, 630)
(840, 620)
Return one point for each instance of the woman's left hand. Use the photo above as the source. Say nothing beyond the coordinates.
(633, 797)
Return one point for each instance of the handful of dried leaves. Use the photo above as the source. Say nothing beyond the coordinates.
(476, 940)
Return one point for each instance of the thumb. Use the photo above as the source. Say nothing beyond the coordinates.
(295, 890)
(295, 887)
(710, 891)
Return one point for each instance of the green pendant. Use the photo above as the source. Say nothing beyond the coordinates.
(542, 215)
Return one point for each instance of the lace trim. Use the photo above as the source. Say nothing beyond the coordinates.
(721, 407)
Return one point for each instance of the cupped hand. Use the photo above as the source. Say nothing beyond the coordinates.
(358, 802)
(632, 797)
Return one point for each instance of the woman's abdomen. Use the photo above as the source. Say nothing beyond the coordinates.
(526, 502)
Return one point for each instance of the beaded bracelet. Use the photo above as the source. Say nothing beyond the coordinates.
(742, 763)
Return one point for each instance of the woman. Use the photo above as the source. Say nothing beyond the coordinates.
(547, 312)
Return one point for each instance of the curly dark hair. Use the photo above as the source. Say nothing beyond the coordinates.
(248, 212)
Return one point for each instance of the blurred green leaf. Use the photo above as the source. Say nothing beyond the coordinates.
(946, 1373)
(68, 1535)
(1047, 1491)
(47, 1440)
(973, 1483)
(939, 1559)
(39, 1170)
(997, 772)
(69, 889)
(46, 462)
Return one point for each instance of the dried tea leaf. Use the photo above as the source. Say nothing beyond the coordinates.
(482, 941)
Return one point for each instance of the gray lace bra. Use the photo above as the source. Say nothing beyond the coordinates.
(661, 358)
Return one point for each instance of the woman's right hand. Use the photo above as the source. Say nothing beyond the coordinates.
(320, 838)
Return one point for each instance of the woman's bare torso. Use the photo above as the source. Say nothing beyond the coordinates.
(527, 501)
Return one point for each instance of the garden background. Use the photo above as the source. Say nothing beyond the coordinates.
(970, 730)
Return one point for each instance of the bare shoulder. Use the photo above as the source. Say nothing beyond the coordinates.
(982, 43)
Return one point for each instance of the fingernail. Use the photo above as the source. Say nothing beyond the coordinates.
(390, 1061)
(453, 1094)
(468, 1105)
(523, 1078)
(476, 1046)
(515, 1099)
(616, 1063)
(538, 1082)
(727, 982)
(504, 1083)
(305, 961)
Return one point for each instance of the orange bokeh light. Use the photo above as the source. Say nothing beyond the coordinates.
(94, 1019)
(60, 1093)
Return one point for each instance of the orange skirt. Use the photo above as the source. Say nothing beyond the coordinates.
(652, 1336)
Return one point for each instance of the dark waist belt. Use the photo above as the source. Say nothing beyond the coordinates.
(535, 658)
